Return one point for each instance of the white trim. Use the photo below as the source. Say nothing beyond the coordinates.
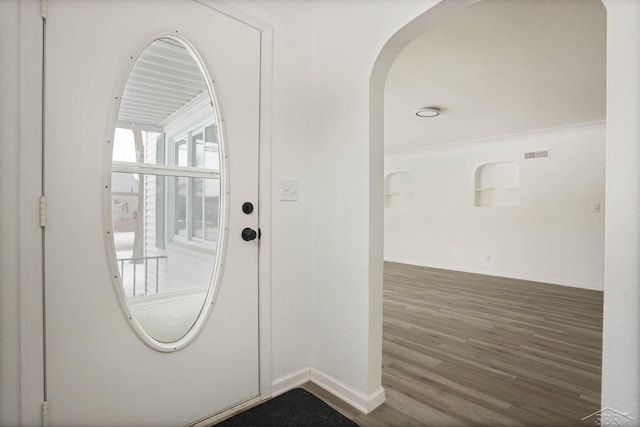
(290, 381)
(31, 234)
(109, 167)
(488, 138)
(364, 404)
(264, 210)
(264, 202)
(237, 14)
(164, 170)
(487, 272)
(376, 399)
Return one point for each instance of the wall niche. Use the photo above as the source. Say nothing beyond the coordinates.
(497, 185)
(398, 190)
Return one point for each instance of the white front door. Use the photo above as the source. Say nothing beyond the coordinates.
(106, 363)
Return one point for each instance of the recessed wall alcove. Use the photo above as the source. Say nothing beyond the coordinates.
(497, 185)
(398, 190)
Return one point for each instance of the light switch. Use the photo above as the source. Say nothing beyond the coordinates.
(289, 189)
(595, 208)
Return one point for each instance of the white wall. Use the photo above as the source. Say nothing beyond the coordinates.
(621, 340)
(9, 216)
(348, 36)
(323, 316)
(551, 237)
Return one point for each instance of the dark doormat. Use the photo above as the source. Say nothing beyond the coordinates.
(296, 407)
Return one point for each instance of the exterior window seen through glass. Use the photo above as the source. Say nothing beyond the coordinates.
(197, 200)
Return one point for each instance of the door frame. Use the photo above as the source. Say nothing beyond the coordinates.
(32, 187)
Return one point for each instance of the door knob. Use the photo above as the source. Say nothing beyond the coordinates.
(248, 234)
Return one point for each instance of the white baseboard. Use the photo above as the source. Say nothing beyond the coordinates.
(364, 404)
(290, 381)
(488, 272)
(376, 399)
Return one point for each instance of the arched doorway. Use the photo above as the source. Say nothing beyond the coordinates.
(442, 11)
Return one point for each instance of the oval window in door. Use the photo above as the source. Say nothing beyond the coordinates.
(165, 206)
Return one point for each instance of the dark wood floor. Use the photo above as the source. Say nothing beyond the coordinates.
(463, 349)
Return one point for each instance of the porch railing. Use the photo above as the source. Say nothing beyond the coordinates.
(141, 260)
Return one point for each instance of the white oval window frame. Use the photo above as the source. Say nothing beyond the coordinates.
(107, 220)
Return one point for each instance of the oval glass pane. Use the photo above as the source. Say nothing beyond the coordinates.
(165, 192)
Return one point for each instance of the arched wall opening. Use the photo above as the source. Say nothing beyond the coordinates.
(387, 56)
(616, 390)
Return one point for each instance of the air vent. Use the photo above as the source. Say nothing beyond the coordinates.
(536, 154)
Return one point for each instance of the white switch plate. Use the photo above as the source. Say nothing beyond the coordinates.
(289, 189)
(595, 208)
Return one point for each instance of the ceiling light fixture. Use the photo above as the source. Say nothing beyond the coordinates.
(428, 112)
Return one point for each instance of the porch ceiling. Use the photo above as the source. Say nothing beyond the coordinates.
(163, 79)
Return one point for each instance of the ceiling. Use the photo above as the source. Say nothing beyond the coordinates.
(499, 67)
(163, 79)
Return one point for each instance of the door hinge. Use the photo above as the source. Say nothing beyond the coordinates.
(43, 9)
(45, 413)
(43, 211)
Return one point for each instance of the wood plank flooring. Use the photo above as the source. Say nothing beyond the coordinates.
(463, 349)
